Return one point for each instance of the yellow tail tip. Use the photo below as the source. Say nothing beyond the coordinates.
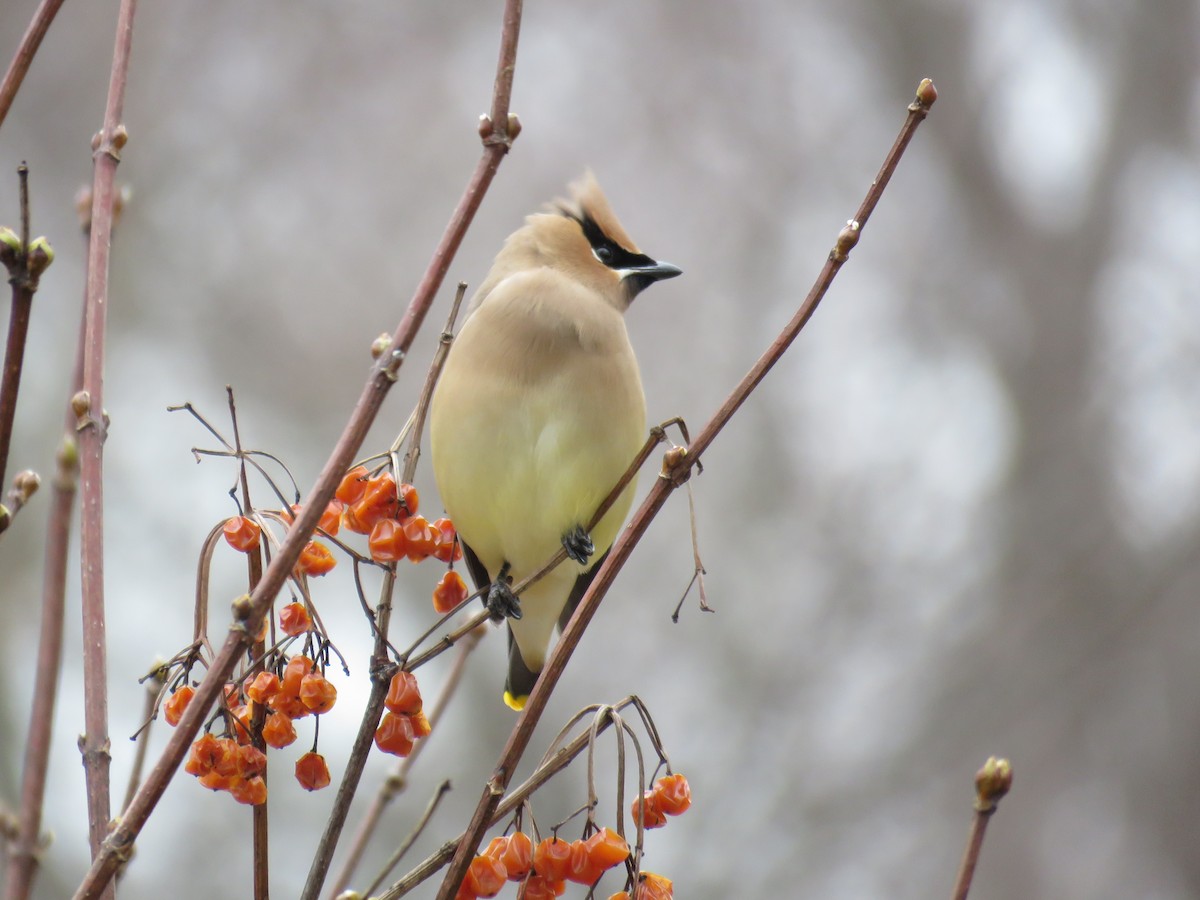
(515, 703)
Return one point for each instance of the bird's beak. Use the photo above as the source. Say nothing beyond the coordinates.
(658, 271)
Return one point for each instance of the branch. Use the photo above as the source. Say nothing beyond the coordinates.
(497, 138)
(25, 262)
(106, 147)
(37, 29)
(992, 782)
(677, 466)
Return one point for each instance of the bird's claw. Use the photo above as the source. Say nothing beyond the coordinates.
(501, 602)
(578, 544)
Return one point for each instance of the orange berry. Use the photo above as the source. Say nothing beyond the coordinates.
(485, 877)
(294, 619)
(315, 559)
(331, 519)
(403, 696)
(446, 546)
(352, 486)
(580, 867)
(243, 723)
(648, 802)
(387, 542)
(379, 501)
(215, 781)
(619, 895)
(451, 590)
(263, 688)
(539, 888)
(242, 534)
(496, 846)
(278, 731)
(518, 856)
(421, 725)
(206, 752)
(552, 859)
(420, 538)
(312, 772)
(606, 849)
(250, 761)
(293, 675)
(654, 887)
(395, 735)
(674, 795)
(291, 706)
(251, 791)
(408, 501)
(317, 693)
(177, 703)
(226, 762)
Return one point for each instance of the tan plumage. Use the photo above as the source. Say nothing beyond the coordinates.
(539, 411)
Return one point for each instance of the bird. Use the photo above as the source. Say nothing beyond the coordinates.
(537, 414)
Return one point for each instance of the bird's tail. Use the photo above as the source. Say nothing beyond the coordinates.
(520, 679)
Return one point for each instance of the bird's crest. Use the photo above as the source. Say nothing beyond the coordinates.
(589, 207)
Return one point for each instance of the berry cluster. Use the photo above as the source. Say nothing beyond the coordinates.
(670, 796)
(232, 763)
(544, 870)
(404, 723)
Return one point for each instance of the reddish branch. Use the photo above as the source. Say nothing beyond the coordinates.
(677, 467)
(37, 29)
(498, 132)
(106, 146)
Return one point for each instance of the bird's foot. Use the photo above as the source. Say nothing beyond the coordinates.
(578, 544)
(501, 602)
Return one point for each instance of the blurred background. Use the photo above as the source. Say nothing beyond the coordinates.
(959, 519)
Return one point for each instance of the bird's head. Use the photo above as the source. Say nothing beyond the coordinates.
(583, 237)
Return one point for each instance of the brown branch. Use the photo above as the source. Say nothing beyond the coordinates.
(38, 26)
(992, 782)
(383, 374)
(23, 864)
(106, 146)
(25, 262)
(677, 466)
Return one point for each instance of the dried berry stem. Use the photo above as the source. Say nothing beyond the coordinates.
(383, 375)
(675, 472)
(38, 26)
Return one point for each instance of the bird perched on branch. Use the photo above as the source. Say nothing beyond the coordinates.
(538, 413)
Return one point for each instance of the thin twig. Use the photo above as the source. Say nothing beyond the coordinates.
(106, 155)
(992, 782)
(435, 370)
(38, 26)
(25, 265)
(383, 374)
(397, 779)
(410, 839)
(260, 832)
(382, 670)
(677, 466)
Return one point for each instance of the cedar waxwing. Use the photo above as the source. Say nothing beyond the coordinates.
(538, 413)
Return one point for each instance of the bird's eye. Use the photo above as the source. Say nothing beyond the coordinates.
(604, 254)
